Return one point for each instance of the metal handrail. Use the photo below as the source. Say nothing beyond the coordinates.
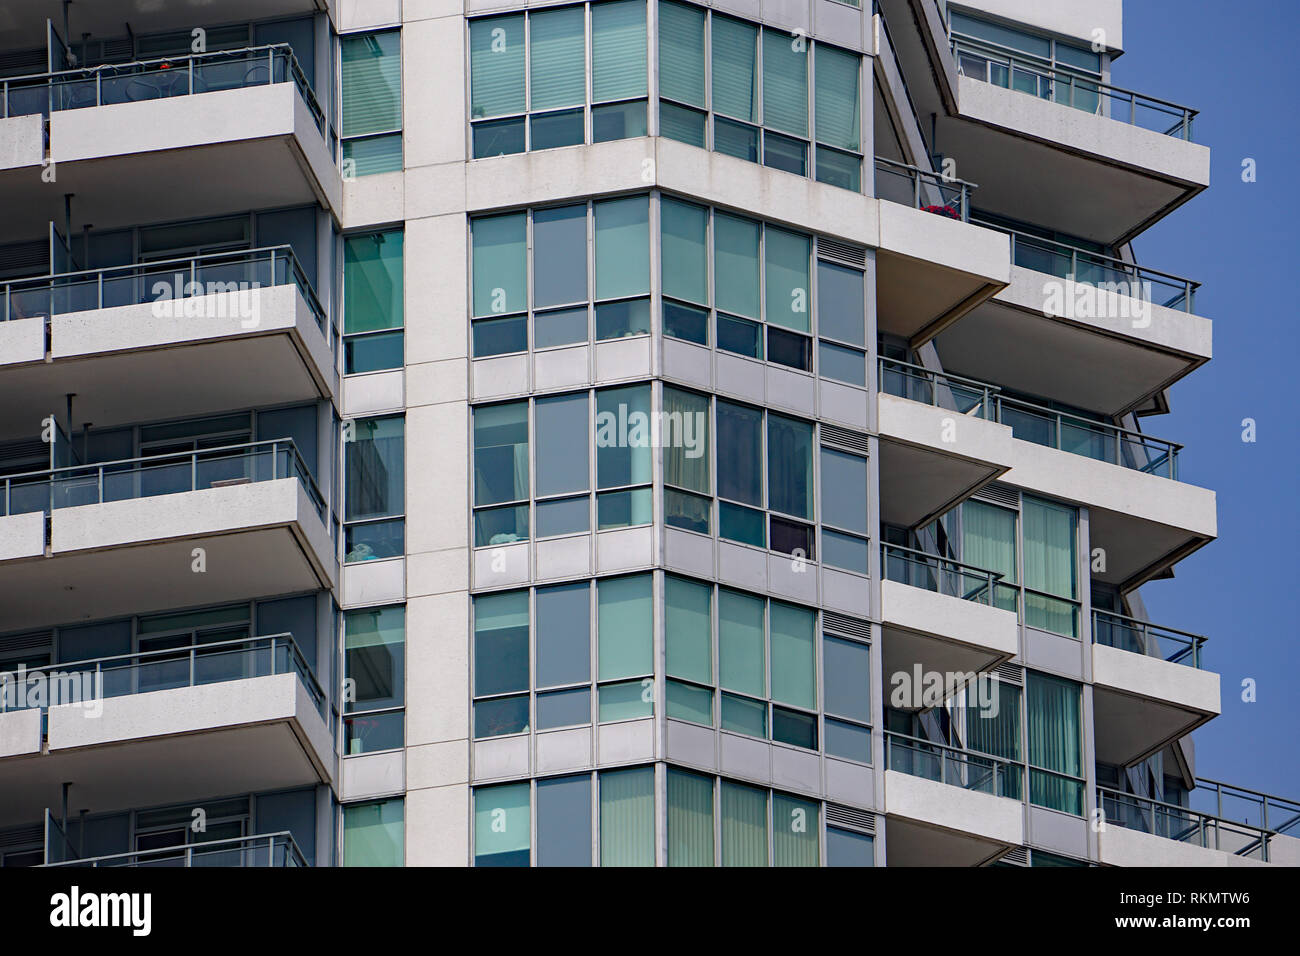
(1148, 635)
(98, 471)
(1181, 129)
(983, 593)
(187, 851)
(297, 660)
(960, 188)
(184, 63)
(907, 92)
(1186, 289)
(988, 764)
(1290, 808)
(981, 407)
(1192, 826)
(66, 282)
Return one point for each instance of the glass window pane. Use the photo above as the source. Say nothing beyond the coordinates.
(553, 130)
(500, 336)
(498, 716)
(618, 320)
(627, 817)
(688, 629)
(789, 349)
(989, 538)
(783, 152)
(500, 525)
(745, 525)
(562, 327)
(373, 353)
(496, 53)
(848, 741)
(844, 490)
(794, 655)
(787, 283)
(373, 732)
(735, 139)
(838, 105)
(624, 509)
(740, 336)
(618, 50)
(789, 466)
(785, 83)
(740, 453)
(847, 665)
(502, 825)
(562, 444)
(498, 137)
(688, 702)
(563, 634)
(744, 825)
(1003, 36)
(564, 516)
(685, 436)
(794, 728)
(795, 831)
(372, 82)
(839, 169)
(618, 121)
(684, 322)
(559, 255)
(564, 821)
(501, 453)
(735, 76)
(374, 540)
(500, 266)
(374, 645)
(743, 716)
(681, 53)
(735, 265)
(500, 643)
(374, 834)
(685, 265)
(623, 436)
(622, 247)
(376, 469)
(626, 701)
(845, 551)
(557, 67)
(681, 124)
(690, 819)
(1050, 563)
(741, 663)
(625, 624)
(564, 708)
(688, 512)
(846, 848)
(372, 282)
(841, 313)
(841, 364)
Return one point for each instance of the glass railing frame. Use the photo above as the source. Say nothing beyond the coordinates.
(1204, 824)
(941, 565)
(936, 387)
(1233, 792)
(293, 853)
(963, 756)
(1191, 645)
(936, 181)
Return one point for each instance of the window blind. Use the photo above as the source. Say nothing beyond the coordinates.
(785, 84)
(496, 54)
(557, 68)
(735, 78)
(681, 53)
(372, 83)
(618, 50)
(838, 104)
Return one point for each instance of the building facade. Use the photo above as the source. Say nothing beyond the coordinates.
(623, 432)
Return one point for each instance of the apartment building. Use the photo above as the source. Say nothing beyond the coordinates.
(619, 432)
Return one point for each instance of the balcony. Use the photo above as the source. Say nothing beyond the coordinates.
(1143, 516)
(940, 442)
(933, 267)
(1090, 330)
(944, 617)
(265, 849)
(238, 715)
(1140, 831)
(166, 139)
(209, 333)
(949, 807)
(134, 536)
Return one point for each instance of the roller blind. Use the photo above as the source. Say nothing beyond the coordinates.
(557, 67)
(372, 83)
(627, 823)
(838, 104)
(496, 53)
(735, 78)
(785, 84)
(794, 831)
(690, 819)
(744, 825)
(618, 50)
(681, 53)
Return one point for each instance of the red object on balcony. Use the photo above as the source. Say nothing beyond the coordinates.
(942, 211)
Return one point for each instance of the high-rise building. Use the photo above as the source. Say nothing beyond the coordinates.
(624, 432)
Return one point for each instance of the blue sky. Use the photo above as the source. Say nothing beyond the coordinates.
(1236, 64)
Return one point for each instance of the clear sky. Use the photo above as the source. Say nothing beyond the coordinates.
(1237, 63)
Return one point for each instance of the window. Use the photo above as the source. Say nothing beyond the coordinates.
(846, 669)
(373, 833)
(739, 837)
(563, 464)
(528, 77)
(844, 510)
(847, 848)
(372, 302)
(375, 501)
(687, 487)
(563, 655)
(627, 817)
(372, 103)
(501, 672)
(501, 484)
(1051, 567)
(690, 819)
(502, 825)
(989, 542)
(745, 56)
(625, 644)
(374, 648)
(623, 459)
(564, 821)
(688, 638)
(1054, 716)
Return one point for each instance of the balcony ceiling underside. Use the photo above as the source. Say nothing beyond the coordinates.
(159, 186)
(1037, 355)
(156, 771)
(1130, 728)
(917, 484)
(914, 844)
(1137, 550)
(177, 382)
(81, 586)
(903, 650)
(915, 299)
(22, 22)
(1055, 188)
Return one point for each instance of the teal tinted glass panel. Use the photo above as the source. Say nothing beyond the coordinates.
(690, 819)
(625, 620)
(688, 629)
(496, 46)
(690, 703)
(785, 82)
(744, 825)
(501, 453)
(839, 106)
(685, 265)
(501, 643)
(622, 247)
(557, 61)
(374, 834)
(618, 50)
(794, 656)
(844, 490)
(735, 265)
(795, 831)
(627, 700)
(681, 53)
(627, 817)
(502, 825)
(372, 82)
(741, 715)
(741, 659)
(735, 69)
(374, 154)
(372, 282)
(786, 256)
(1003, 36)
(841, 308)
(848, 678)
(500, 264)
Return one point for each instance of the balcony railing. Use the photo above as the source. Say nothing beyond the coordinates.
(1183, 824)
(946, 576)
(1263, 810)
(124, 675)
(154, 475)
(1030, 422)
(1095, 269)
(267, 849)
(922, 189)
(982, 773)
(115, 83)
(238, 274)
(1143, 637)
(1011, 69)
